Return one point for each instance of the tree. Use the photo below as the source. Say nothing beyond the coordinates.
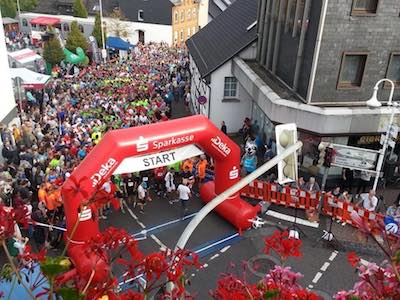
(53, 53)
(27, 5)
(116, 27)
(76, 38)
(8, 8)
(97, 31)
(80, 9)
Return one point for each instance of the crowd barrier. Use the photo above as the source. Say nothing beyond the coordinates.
(286, 196)
(291, 197)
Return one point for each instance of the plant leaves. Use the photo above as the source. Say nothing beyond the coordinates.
(69, 294)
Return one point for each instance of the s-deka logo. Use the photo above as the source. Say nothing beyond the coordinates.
(142, 144)
(102, 172)
(220, 146)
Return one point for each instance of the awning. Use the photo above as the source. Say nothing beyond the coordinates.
(30, 79)
(45, 21)
(24, 56)
(7, 21)
(118, 43)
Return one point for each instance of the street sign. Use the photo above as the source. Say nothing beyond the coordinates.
(354, 158)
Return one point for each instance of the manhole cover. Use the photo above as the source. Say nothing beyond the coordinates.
(261, 264)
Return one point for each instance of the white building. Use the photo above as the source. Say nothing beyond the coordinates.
(8, 111)
(149, 32)
(211, 52)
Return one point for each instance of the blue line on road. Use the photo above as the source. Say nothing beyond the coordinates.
(202, 250)
(164, 226)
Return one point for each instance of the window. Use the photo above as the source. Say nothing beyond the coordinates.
(188, 32)
(176, 17)
(81, 28)
(24, 23)
(140, 15)
(194, 13)
(182, 35)
(66, 27)
(176, 37)
(193, 30)
(393, 71)
(230, 87)
(352, 70)
(361, 7)
(182, 15)
(189, 14)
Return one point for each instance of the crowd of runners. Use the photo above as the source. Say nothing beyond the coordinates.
(63, 123)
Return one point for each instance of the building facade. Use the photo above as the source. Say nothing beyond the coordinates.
(317, 63)
(215, 92)
(188, 16)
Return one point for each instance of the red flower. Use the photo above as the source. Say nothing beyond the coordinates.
(353, 259)
(283, 245)
(28, 255)
(155, 263)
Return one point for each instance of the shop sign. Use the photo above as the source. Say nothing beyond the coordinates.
(202, 100)
(354, 158)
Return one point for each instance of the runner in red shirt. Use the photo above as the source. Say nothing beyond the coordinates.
(159, 174)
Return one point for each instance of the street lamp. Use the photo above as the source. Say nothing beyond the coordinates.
(374, 102)
(103, 51)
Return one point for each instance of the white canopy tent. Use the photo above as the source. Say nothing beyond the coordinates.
(30, 79)
(23, 58)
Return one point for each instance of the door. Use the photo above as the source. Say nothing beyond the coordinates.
(141, 36)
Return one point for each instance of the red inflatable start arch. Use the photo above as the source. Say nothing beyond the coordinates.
(117, 145)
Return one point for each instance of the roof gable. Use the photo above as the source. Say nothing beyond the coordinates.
(224, 37)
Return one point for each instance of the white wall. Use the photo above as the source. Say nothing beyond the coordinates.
(152, 32)
(7, 100)
(203, 13)
(198, 88)
(232, 111)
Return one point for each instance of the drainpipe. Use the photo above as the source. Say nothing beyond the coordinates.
(271, 34)
(299, 60)
(264, 38)
(260, 26)
(278, 36)
(316, 51)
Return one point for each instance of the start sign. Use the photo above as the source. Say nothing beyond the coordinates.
(155, 160)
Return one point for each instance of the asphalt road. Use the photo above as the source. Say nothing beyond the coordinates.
(222, 249)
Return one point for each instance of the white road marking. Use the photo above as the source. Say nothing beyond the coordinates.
(214, 256)
(157, 240)
(225, 249)
(154, 238)
(333, 255)
(325, 266)
(310, 286)
(288, 218)
(317, 277)
(364, 262)
(205, 266)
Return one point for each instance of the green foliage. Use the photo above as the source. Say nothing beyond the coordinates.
(27, 5)
(69, 294)
(53, 266)
(80, 9)
(76, 39)
(8, 8)
(53, 53)
(97, 31)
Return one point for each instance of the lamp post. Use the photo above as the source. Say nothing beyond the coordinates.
(19, 15)
(103, 51)
(374, 102)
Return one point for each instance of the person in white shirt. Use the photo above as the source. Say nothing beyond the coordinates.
(369, 201)
(184, 196)
(142, 196)
(169, 181)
